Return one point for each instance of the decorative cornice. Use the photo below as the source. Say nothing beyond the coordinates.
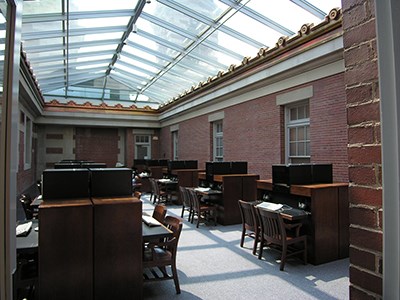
(55, 105)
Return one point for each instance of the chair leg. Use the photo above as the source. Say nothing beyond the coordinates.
(283, 258)
(242, 237)
(261, 248)
(183, 210)
(176, 280)
(305, 252)
(255, 242)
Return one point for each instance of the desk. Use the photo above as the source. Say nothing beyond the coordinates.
(327, 226)
(151, 233)
(29, 243)
(234, 187)
(287, 212)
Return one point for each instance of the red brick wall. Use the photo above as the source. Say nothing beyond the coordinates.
(253, 132)
(328, 129)
(129, 147)
(365, 193)
(97, 144)
(166, 144)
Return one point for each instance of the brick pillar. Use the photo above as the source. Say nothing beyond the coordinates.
(364, 148)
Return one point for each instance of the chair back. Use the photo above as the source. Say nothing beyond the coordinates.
(194, 200)
(26, 201)
(159, 213)
(175, 225)
(272, 226)
(185, 196)
(249, 219)
(155, 187)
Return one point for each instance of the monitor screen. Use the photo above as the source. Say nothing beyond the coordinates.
(107, 182)
(65, 184)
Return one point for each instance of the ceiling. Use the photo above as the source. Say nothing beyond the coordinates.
(146, 52)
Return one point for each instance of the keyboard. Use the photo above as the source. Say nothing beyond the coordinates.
(23, 229)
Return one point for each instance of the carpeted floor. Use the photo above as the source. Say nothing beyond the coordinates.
(212, 265)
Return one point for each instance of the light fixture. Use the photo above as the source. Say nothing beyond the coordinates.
(134, 28)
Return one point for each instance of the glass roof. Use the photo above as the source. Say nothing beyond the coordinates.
(146, 52)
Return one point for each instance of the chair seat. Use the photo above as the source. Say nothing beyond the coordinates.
(205, 207)
(157, 255)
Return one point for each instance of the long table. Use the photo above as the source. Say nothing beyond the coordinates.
(30, 242)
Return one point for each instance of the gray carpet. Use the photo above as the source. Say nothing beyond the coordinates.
(212, 265)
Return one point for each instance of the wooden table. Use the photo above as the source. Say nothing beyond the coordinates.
(151, 233)
(30, 242)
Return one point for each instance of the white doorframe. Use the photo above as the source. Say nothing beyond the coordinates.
(388, 38)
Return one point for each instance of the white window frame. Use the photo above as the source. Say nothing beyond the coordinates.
(218, 141)
(27, 129)
(175, 144)
(143, 144)
(296, 124)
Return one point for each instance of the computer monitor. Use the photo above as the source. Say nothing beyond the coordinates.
(65, 184)
(190, 164)
(92, 165)
(110, 182)
(239, 167)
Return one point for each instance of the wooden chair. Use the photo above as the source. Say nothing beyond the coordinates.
(250, 225)
(159, 212)
(26, 201)
(273, 232)
(157, 194)
(186, 202)
(203, 211)
(158, 255)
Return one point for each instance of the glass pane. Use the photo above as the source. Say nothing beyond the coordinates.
(292, 149)
(252, 28)
(301, 149)
(292, 134)
(42, 7)
(176, 17)
(301, 134)
(79, 5)
(284, 12)
(301, 112)
(141, 152)
(293, 114)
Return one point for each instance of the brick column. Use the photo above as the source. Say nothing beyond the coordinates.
(364, 148)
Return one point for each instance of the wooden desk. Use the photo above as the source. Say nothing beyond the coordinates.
(327, 226)
(233, 188)
(66, 249)
(29, 243)
(187, 178)
(151, 233)
(117, 250)
(289, 213)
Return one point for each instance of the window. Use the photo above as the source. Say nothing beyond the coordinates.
(218, 141)
(175, 145)
(298, 132)
(26, 123)
(142, 147)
